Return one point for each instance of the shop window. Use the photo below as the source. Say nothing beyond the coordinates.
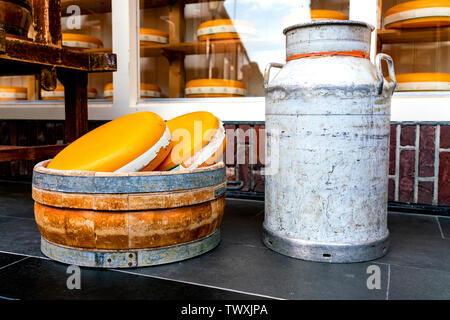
(209, 49)
(415, 34)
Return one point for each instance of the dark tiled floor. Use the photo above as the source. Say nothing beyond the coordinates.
(241, 267)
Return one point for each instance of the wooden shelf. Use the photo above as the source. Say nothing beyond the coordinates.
(12, 153)
(389, 36)
(190, 48)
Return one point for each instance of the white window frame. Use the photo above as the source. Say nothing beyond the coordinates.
(417, 106)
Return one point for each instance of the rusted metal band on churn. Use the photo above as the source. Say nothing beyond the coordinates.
(354, 53)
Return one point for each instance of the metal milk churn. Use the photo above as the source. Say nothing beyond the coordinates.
(329, 107)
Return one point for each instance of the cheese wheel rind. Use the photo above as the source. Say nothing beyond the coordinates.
(418, 14)
(190, 134)
(112, 145)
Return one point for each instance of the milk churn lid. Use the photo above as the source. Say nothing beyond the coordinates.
(329, 22)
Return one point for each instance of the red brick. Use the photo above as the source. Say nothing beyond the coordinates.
(426, 155)
(230, 150)
(243, 134)
(261, 137)
(408, 136)
(445, 137)
(392, 148)
(244, 169)
(425, 192)
(258, 182)
(406, 176)
(231, 173)
(391, 193)
(444, 179)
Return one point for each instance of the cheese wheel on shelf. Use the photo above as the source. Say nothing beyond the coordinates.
(215, 88)
(426, 81)
(127, 144)
(81, 41)
(198, 140)
(418, 14)
(147, 91)
(225, 29)
(58, 93)
(13, 93)
(148, 36)
(328, 15)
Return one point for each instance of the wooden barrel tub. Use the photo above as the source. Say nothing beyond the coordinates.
(116, 220)
(16, 16)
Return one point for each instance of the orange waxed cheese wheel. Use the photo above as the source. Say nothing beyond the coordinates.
(418, 14)
(191, 133)
(214, 88)
(81, 41)
(58, 93)
(225, 29)
(328, 15)
(13, 93)
(423, 81)
(138, 139)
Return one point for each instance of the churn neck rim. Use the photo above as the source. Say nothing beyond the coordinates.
(330, 23)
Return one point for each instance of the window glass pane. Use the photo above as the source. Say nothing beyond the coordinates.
(86, 26)
(216, 48)
(414, 35)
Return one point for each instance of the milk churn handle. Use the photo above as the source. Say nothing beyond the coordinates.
(267, 71)
(390, 64)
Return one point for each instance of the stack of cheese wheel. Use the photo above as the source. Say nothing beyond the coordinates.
(418, 14)
(13, 93)
(426, 81)
(225, 29)
(149, 36)
(198, 140)
(93, 209)
(58, 93)
(147, 91)
(328, 15)
(214, 88)
(81, 41)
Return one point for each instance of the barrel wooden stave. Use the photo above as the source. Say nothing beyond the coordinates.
(129, 229)
(126, 202)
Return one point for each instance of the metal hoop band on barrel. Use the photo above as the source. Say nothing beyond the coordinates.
(129, 258)
(137, 182)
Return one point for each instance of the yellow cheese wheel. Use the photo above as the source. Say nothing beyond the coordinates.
(58, 93)
(147, 91)
(149, 36)
(214, 88)
(425, 81)
(328, 15)
(81, 41)
(198, 140)
(418, 14)
(225, 29)
(127, 144)
(13, 93)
